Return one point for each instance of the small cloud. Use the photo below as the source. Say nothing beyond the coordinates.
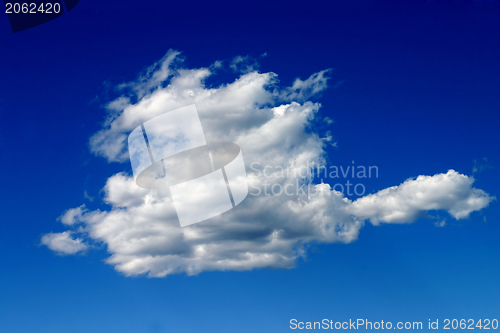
(244, 65)
(93, 100)
(327, 138)
(88, 197)
(407, 202)
(303, 90)
(154, 75)
(63, 243)
(339, 83)
(440, 224)
(328, 120)
(481, 165)
(73, 215)
(216, 64)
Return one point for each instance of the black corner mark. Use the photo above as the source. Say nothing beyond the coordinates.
(26, 14)
(70, 4)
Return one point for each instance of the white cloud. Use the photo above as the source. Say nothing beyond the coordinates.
(245, 64)
(71, 216)
(272, 125)
(63, 243)
(405, 203)
(328, 120)
(303, 90)
(481, 165)
(440, 224)
(153, 76)
(88, 196)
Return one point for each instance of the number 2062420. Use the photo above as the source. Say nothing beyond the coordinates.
(470, 324)
(32, 8)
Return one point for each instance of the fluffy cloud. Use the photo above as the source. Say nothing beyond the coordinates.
(63, 243)
(303, 90)
(245, 64)
(71, 216)
(272, 125)
(451, 191)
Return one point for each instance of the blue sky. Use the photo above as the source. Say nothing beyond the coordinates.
(413, 90)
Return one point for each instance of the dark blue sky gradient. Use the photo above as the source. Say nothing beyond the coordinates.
(419, 94)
